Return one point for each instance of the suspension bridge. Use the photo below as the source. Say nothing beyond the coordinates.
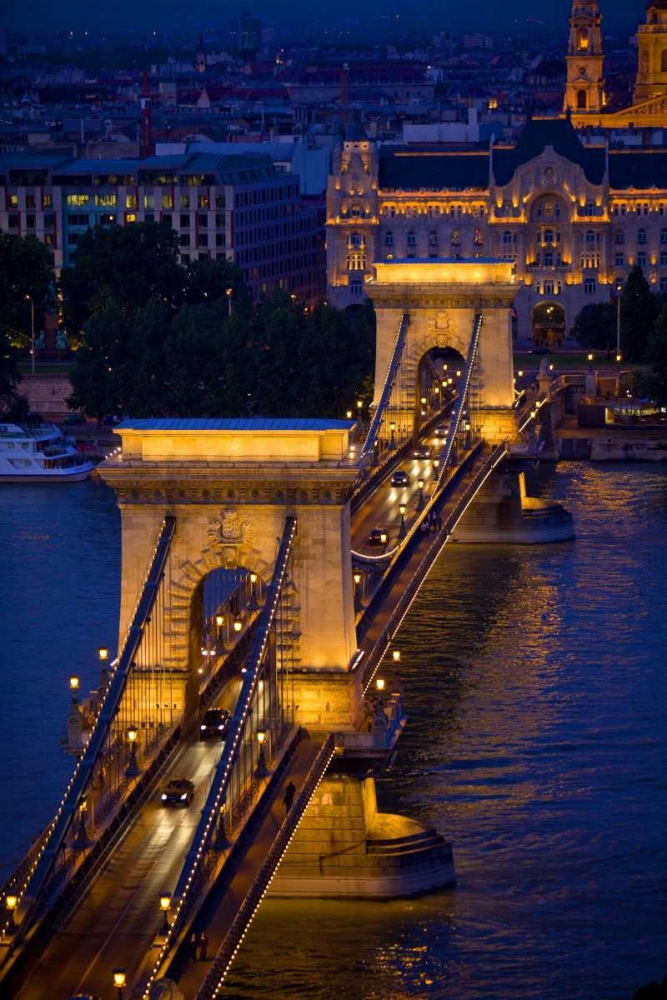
(267, 568)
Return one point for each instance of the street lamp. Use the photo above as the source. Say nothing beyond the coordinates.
(392, 428)
(261, 770)
(81, 840)
(229, 293)
(436, 465)
(119, 980)
(238, 625)
(619, 289)
(165, 904)
(103, 653)
(11, 902)
(32, 333)
(252, 603)
(420, 499)
(348, 414)
(74, 683)
(401, 530)
(380, 684)
(396, 655)
(133, 768)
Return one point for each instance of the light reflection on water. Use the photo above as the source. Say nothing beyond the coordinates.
(535, 688)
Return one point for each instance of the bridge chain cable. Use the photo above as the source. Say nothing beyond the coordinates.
(224, 770)
(53, 841)
(461, 401)
(392, 372)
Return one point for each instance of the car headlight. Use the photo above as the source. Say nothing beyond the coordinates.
(163, 797)
(184, 796)
(202, 728)
(221, 728)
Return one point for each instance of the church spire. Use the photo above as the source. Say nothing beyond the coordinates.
(584, 90)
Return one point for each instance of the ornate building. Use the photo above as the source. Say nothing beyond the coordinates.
(584, 94)
(584, 90)
(574, 218)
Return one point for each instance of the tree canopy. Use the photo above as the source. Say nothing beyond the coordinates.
(595, 326)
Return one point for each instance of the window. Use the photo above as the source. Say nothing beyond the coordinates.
(663, 283)
(13, 221)
(590, 208)
(355, 241)
(507, 237)
(389, 239)
(105, 200)
(619, 260)
(49, 220)
(131, 201)
(185, 221)
(663, 236)
(184, 240)
(219, 201)
(590, 237)
(76, 200)
(478, 239)
(185, 201)
(581, 100)
(641, 238)
(203, 239)
(107, 219)
(456, 238)
(47, 201)
(77, 219)
(356, 286)
(30, 221)
(130, 217)
(663, 258)
(590, 286)
(642, 258)
(355, 211)
(149, 217)
(167, 201)
(548, 258)
(412, 243)
(166, 217)
(202, 221)
(220, 239)
(149, 201)
(356, 262)
(433, 244)
(30, 201)
(619, 238)
(202, 201)
(548, 287)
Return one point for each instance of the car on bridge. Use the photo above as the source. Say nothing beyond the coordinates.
(214, 724)
(421, 451)
(378, 536)
(441, 431)
(400, 478)
(177, 792)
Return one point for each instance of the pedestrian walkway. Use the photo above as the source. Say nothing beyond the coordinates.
(220, 910)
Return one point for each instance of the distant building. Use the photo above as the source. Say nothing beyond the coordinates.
(575, 219)
(236, 207)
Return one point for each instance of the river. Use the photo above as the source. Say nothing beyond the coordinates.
(535, 684)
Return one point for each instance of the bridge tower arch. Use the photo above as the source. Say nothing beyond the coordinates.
(441, 298)
(230, 487)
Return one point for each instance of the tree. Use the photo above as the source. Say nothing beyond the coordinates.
(26, 276)
(595, 326)
(130, 265)
(656, 355)
(637, 315)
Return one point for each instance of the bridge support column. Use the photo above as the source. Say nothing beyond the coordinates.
(503, 512)
(344, 847)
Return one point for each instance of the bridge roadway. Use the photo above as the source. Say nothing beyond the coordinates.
(115, 923)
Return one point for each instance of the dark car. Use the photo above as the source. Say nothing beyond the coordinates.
(378, 536)
(441, 431)
(400, 479)
(177, 792)
(421, 451)
(214, 723)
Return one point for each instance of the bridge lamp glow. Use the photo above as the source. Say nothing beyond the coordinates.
(396, 655)
(11, 902)
(253, 578)
(618, 357)
(423, 400)
(103, 653)
(590, 357)
(119, 980)
(450, 381)
(401, 508)
(360, 404)
(349, 414)
(436, 464)
(458, 374)
(357, 578)
(74, 683)
(219, 620)
(132, 733)
(520, 373)
(380, 683)
(420, 484)
(238, 625)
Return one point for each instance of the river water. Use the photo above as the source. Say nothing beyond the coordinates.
(536, 688)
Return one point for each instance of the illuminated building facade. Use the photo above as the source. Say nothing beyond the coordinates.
(574, 218)
(238, 207)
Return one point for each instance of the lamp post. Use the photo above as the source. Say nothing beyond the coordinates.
(119, 980)
(252, 603)
(619, 289)
(392, 428)
(420, 499)
(165, 905)
(401, 530)
(357, 577)
(230, 293)
(261, 770)
(32, 333)
(237, 625)
(133, 768)
(81, 840)
(396, 655)
(11, 902)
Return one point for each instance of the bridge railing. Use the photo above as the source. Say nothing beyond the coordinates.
(376, 654)
(194, 865)
(392, 371)
(215, 977)
(70, 806)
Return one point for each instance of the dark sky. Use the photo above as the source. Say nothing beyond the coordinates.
(117, 16)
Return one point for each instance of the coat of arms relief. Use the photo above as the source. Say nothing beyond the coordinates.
(228, 533)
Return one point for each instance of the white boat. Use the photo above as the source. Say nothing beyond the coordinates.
(40, 455)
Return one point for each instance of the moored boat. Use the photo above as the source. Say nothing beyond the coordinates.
(39, 455)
